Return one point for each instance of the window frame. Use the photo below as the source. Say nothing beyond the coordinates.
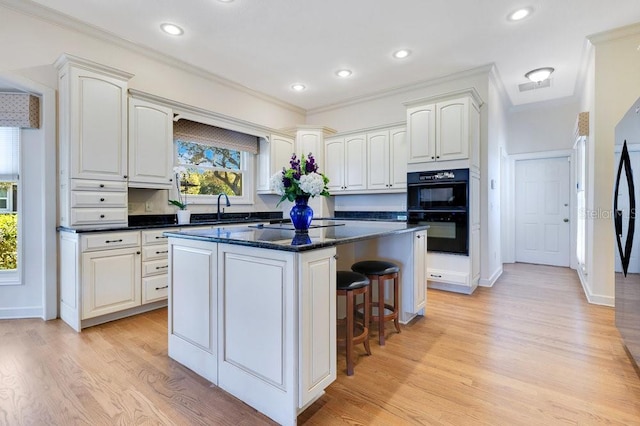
(247, 161)
(14, 277)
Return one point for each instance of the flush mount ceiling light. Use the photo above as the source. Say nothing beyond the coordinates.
(344, 73)
(298, 87)
(540, 74)
(171, 29)
(520, 14)
(401, 54)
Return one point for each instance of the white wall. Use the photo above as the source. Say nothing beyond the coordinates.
(542, 126)
(616, 85)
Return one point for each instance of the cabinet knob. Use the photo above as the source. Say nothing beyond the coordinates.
(125, 176)
(137, 252)
(101, 199)
(101, 216)
(170, 180)
(433, 158)
(102, 185)
(418, 236)
(437, 156)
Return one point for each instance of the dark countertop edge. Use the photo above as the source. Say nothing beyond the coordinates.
(300, 248)
(210, 223)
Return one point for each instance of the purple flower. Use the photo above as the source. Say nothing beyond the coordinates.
(286, 182)
(310, 165)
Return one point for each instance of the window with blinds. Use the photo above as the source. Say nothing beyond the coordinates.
(9, 187)
(216, 161)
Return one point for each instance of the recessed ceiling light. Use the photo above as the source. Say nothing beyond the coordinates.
(520, 14)
(401, 54)
(225, 1)
(540, 74)
(343, 73)
(171, 29)
(298, 87)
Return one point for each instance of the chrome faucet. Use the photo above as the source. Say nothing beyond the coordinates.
(226, 198)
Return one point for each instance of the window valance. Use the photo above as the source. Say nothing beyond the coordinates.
(192, 131)
(19, 110)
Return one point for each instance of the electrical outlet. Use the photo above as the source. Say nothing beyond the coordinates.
(148, 207)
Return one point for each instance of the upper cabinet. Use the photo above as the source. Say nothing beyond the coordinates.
(346, 165)
(150, 145)
(274, 154)
(93, 144)
(93, 120)
(387, 160)
(445, 130)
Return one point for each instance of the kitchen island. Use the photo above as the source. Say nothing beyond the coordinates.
(253, 309)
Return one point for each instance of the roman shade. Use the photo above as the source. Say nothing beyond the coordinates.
(192, 131)
(19, 110)
(9, 154)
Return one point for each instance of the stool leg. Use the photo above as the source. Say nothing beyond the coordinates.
(349, 333)
(380, 312)
(367, 318)
(396, 321)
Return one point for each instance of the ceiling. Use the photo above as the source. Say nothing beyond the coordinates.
(267, 45)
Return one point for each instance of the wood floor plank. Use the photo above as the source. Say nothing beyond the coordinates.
(528, 351)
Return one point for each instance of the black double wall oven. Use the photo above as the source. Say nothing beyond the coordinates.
(440, 199)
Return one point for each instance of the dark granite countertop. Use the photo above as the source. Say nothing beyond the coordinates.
(323, 233)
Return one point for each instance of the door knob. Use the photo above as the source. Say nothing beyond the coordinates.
(565, 220)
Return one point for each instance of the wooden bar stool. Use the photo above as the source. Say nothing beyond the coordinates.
(350, 284)
(381, 271)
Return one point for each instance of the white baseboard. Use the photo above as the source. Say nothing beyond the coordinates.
(17, 313)
(483, 282)
(595, 299)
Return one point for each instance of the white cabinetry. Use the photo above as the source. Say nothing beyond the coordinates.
(93, 139)
(274, 154)
(419, 270)
(444, 129)
(150, 145)
(387, 160)
(101, 275)
(346, 165)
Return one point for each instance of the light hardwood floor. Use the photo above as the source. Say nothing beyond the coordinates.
(529, 351)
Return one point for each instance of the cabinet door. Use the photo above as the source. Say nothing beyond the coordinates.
(452, 130)
(355, 157)
(421, 129)
(274, 155)
(334, 164)
(419, 270)
(378, 160)
(110, 281)
(150, 145)
(398, 158)
(98, 109)
(310, 142)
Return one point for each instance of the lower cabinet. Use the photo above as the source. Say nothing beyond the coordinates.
(419, 270)
(110, 281)
(110, 275)
(258, 323)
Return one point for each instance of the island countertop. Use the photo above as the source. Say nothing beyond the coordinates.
(282, 236)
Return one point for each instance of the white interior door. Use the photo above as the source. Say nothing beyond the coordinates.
(542, 211)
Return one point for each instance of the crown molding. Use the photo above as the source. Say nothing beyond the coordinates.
(495, 78)
(67, 59)
(46, 14)
(470, 91)
(481, 70)
(617, 33)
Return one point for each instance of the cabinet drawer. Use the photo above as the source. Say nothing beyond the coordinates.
(98, 199)
(155, 236)
(106, 216)
(155, 267)
(110, 240)
(155, 252)
(155, 288)
(450, 277)
(98, 185)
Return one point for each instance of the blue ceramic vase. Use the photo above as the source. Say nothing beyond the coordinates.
(301, 214)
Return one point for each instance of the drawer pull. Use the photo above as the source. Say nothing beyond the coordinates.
(161, 237)
(162, 267)
(102, 185)
(162, 288)
(101, 199)
(113, 241)
(162, 252)
(101, 216)
(436, 276)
